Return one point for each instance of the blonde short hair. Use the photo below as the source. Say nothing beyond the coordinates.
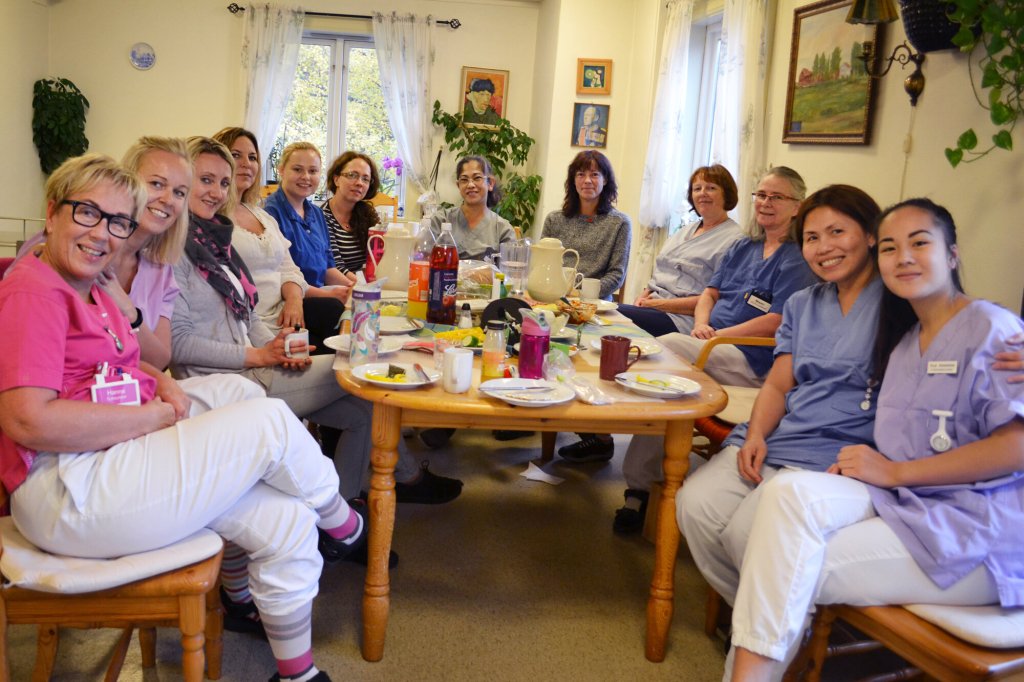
(199, 145)
(167, 247)
(297, 147)
(82, 173)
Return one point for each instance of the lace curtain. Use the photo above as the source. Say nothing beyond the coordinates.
(405, 53)
(743, 76)
(669, 148)
(270, 53)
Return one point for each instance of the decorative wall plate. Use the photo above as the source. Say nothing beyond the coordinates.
(142, 56)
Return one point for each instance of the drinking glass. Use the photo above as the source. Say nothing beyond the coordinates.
(515, 263)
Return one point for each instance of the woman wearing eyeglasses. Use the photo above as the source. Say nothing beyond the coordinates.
(745, 297)
(103, 473)
(285, 299)
(352, 181)
(478, 230)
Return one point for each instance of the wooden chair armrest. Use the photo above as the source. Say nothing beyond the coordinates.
(710, 344)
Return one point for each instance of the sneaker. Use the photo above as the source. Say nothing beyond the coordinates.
(436, 438)
(239, 617)
(589, 449)
(429, 488)
(503, 434)
(320, 676)
(629, 521)
(334, 550)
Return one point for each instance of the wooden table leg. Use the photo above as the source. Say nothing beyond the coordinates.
(678, 439)
(387, 429)
(547, 445)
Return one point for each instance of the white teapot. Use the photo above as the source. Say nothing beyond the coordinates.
(547, 282)
(394, 263)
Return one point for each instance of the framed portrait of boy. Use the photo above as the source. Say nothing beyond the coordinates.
(593, 76)
(484, 96)
(590, 125)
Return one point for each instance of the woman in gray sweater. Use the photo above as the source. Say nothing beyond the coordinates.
(589, 223)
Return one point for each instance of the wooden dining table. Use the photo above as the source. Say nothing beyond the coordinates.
(432, 407)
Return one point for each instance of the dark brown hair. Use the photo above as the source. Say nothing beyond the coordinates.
(719, 175)
(585, 161)
(227, 137)
(363, 214)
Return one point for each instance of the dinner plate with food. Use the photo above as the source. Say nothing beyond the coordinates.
(657, 384)
(396, 374)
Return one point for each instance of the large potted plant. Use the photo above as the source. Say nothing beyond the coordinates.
(502, 145)
(58, 121)
(992, 31)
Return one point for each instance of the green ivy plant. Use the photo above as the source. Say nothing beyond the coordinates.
(507, 148)
(58, 121)
(995, 28)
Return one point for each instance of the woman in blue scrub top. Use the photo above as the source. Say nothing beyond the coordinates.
(938, 514)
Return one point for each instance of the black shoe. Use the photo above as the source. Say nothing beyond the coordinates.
(436, 438)
(429, 488)
(502, 434)
(321, 676)
(629, 521)
(334, 550)
(238, 617)
(589, 449)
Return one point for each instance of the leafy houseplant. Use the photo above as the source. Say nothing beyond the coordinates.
(996, 29)
(58, 121)
(501, 146)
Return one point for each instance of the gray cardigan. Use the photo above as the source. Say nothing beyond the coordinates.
(206, 337)
(602, 241)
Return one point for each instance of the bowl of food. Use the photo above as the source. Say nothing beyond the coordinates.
(578, 311)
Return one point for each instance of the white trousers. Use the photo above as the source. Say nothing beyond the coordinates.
(241, 465)
(641, 465)
(715, 510)
(314, 394)
(816, 539)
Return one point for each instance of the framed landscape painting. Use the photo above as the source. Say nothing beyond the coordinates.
(830, 96)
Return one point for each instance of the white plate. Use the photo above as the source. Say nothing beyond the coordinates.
(389, 295)
(676, 387)
(412, 378)
(646, 346)
(602, 305)
(559, 393)
(476, 305)
(342, 343)
(392, 324)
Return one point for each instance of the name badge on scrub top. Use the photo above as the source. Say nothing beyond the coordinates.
(115, 389)
(942, 367)
(762, 300)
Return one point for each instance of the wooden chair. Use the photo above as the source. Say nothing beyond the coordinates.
(92, 596)
(381, 199)
(934, 651)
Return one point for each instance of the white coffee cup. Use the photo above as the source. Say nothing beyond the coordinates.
(590, 289)
(572, 279)
(457, 370)
(299, 337)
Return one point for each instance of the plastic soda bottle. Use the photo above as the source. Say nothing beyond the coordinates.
(444, 276)
(419, 274)
(494, 351)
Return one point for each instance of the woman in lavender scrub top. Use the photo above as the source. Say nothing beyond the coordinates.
(938, 506)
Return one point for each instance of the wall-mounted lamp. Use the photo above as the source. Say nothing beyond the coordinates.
(883, 12)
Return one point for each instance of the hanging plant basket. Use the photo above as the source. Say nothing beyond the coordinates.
(58, 121)
(927, 24)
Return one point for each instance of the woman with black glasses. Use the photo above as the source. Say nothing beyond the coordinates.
(352, 181)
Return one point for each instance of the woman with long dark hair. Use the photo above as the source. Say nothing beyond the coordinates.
(353, 181)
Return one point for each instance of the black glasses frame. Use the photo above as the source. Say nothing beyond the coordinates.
(123, 223)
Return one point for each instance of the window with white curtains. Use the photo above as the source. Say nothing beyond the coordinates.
(704, 138)
(337, 104)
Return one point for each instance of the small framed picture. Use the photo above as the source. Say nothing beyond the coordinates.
(590, 125)
(484, 96)
(593, 76)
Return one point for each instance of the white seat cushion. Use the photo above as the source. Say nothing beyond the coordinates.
(25, 565)
(741, 404)
(991, 626)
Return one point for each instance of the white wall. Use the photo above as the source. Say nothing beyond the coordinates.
(24, 44)
(986, 198)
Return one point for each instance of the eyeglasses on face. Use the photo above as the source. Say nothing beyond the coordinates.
(771, 198)
(475, 179)
(353, 176)
(88, 215)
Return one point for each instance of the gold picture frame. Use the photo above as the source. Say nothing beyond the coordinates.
(484, 96)
(593, 76)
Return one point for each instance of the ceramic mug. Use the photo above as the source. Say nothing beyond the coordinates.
(457, 373)
(590, 289)
(615, 352)
(299, 337)
(572, 280)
